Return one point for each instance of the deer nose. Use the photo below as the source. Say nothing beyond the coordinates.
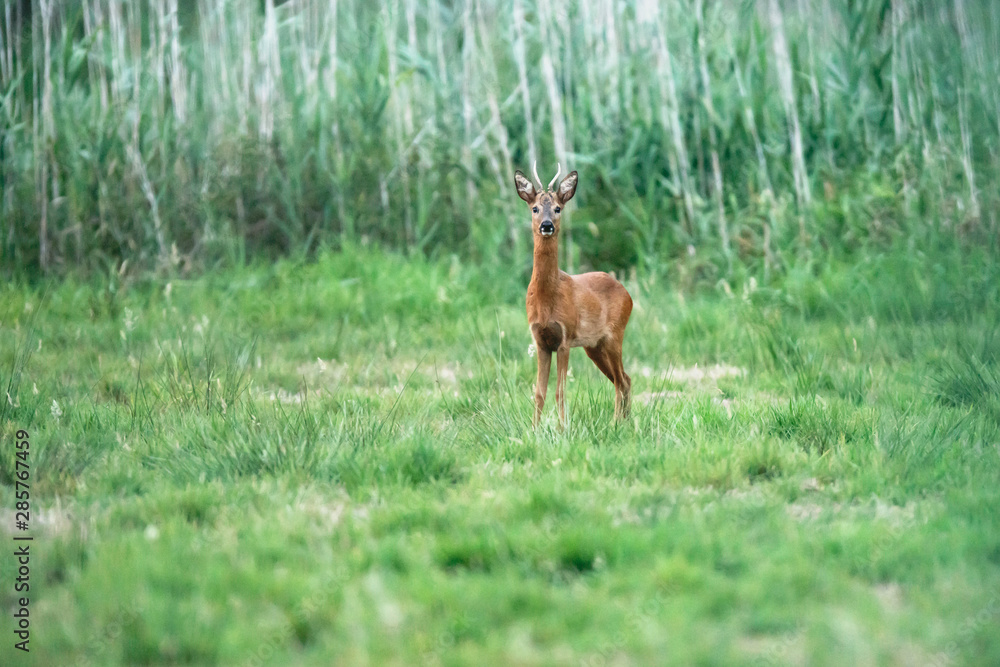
(546, 228)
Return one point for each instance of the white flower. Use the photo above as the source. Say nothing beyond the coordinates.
(56, 410)
(531, 350)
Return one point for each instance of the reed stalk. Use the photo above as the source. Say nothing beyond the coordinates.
(176, 136)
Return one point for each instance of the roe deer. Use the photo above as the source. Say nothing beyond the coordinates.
(590, 310)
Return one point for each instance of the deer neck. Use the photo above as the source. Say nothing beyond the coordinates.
(545, 271)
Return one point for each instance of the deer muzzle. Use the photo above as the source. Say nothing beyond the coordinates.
(546, 228)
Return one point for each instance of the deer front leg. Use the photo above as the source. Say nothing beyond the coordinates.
(541, 382)
(562, 366)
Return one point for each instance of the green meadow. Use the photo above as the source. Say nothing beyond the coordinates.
(262, 322)
(331, 462)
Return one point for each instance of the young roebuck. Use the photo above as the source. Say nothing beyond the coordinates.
(590, 310)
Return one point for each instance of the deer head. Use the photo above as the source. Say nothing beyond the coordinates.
(546, 204)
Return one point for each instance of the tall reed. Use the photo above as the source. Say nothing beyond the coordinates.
(175, 136)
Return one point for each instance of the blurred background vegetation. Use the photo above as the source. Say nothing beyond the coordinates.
(715, 140)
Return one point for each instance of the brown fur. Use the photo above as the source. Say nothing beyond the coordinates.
(590, 310)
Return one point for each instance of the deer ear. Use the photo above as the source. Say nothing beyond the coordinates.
(567, 188)
(525, 190)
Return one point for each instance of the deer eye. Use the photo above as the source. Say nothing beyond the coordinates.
(534, 209)
(558, 209)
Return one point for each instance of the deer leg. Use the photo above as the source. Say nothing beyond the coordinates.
(542, 382)
(604, 358)
(562, 366)
(626, 396)
(623, 383)
(596, 355)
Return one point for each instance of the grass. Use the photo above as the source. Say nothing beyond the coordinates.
(332, 462)
(248, 448)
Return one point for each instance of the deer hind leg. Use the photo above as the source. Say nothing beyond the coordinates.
(562, 366)
(600, 360)
(608, 358)
(623, 383)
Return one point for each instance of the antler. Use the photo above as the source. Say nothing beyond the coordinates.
(534, 168)
(556, 177)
